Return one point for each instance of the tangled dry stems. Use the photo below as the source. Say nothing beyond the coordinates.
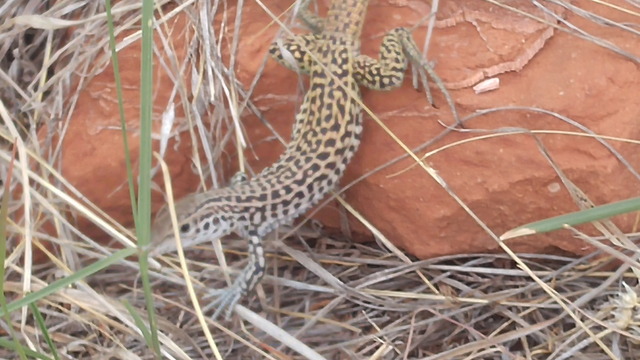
(364, 302)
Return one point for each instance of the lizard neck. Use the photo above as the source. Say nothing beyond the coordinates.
(345, 18)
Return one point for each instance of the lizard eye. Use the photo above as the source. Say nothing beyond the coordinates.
(184, 228)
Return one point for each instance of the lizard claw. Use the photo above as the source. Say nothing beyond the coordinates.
(226, 300)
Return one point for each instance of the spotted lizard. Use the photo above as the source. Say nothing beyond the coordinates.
(326, 135)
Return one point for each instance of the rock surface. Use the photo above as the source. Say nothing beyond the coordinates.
(505, 180)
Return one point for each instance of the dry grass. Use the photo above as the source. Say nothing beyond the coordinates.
(341, 299)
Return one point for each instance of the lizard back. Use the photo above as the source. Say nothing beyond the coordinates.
(326, 135)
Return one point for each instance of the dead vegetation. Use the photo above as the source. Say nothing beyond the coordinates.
(340, 299)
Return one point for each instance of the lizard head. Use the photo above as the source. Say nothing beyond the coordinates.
(198, 221)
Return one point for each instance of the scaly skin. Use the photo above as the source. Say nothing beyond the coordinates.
(325, 137)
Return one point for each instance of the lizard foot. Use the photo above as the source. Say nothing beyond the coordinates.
(226, 300)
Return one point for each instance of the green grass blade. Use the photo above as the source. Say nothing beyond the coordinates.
(68, 280)
(43, 330)
(4, 212)
(575, 218)
(4, 343)
(120, 96)
(142, 207)
(138, 320)
(143, 228)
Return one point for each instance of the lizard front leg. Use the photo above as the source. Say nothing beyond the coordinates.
(251, 275)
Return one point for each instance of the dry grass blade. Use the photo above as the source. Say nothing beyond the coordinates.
(324, 297)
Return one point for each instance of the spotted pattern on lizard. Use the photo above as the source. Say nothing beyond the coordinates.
(326, 135)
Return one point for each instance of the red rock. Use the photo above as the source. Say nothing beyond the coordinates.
(504, 179)
(92, 153)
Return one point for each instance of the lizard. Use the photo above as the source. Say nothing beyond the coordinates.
(326, 134)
